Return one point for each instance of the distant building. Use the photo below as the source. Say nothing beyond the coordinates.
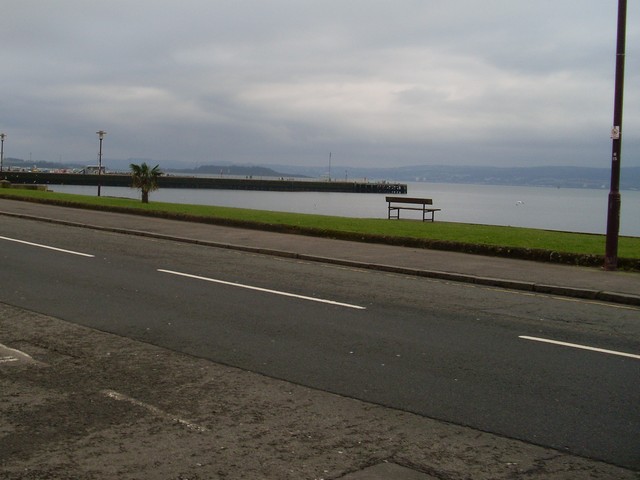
(93, 170)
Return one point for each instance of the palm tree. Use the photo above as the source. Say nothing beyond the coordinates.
(145, 178)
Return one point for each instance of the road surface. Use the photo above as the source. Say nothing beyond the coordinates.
(558, 373)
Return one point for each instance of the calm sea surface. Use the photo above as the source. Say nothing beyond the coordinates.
(569, 209)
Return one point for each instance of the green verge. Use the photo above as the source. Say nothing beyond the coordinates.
(526, 243)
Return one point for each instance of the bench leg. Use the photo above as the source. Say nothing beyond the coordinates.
(424, 214)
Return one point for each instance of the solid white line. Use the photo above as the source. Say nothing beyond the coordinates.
(266, 290)
(47, 247)
(583, 347)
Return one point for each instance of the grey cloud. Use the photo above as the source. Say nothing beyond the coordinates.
(405, 82)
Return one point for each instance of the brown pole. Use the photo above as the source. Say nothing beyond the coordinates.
(613, 215)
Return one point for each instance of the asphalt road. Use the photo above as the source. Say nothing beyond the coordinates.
(444, 350)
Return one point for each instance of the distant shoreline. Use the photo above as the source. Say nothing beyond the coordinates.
(536, 176)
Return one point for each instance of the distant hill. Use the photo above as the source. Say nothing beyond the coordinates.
(561, 177)
(236, 170)
(565, 177)
(41, 164)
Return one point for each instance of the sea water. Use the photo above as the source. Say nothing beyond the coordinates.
(566, 209)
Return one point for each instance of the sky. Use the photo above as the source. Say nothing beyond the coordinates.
(369, 83)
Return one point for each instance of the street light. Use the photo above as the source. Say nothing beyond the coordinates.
(2, 137)
(613, 212)
(101, 134)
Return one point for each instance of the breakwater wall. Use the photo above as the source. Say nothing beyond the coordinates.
(175, 181)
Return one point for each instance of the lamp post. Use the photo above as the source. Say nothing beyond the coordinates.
(613, 212)
(101, 134)
(2, 137)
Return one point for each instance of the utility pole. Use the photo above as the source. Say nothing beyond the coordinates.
(613, 212)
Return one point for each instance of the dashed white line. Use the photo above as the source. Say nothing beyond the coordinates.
(266, 290)
(47, 247)
(582, 347)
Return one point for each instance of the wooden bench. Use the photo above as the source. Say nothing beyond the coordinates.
(394, 208)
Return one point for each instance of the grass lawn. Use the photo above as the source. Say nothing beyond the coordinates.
(498, 236)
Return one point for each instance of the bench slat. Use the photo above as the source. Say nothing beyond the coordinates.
(416, 208)
(420, 201)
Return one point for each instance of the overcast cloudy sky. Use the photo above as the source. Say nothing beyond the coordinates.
(377, 83)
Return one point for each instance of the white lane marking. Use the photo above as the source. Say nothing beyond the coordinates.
(8, 359)
(266, 290)
(47, 247)
(14, 353)
(9, 354)
(582, 347)
(154, 410)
